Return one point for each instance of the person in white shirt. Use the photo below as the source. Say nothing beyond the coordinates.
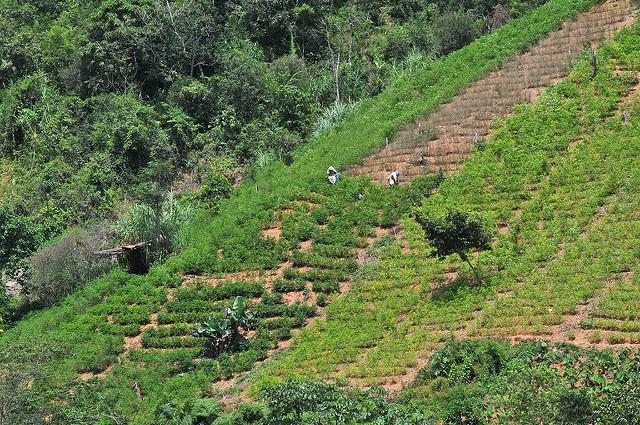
(333, 175)
(394, 178)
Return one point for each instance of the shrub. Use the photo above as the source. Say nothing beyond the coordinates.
(573, 406)
(389, 218)
(461, 362)
(424, 186)
(327, 286)
(321, 301)
(214, 188)
(67, 264)
(331, 117)
(204, 411)
(281, 285)
(298, 401)
(454, 30)
(616, 338)
(595, 337)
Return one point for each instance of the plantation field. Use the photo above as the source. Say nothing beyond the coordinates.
(559, 181)
(340, 277)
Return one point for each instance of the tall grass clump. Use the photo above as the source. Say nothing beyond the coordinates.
(332, 116)
(161, 227)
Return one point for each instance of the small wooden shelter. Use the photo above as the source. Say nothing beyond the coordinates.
(133, 257)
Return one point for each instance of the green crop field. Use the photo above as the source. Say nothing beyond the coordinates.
(344, 289)
(558, 180)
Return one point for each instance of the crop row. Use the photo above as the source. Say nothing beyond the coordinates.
(301, 259)
(229, 290)
(316, 275)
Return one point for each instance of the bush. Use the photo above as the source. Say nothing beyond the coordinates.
(223, 330)
(214, 188)
(461, 362)
(281, 285)
(67, 264)
(573, 406)
(326, 287)
(321, 301)
(331, 117)
(454, 30)
(298, 401)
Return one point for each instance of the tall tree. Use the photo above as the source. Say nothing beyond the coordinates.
(456, 232)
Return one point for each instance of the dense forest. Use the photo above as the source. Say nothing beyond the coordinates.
(120, 118)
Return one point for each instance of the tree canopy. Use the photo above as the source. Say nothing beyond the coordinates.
(456, 232)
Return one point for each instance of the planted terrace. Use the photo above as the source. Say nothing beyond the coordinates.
(446, 137)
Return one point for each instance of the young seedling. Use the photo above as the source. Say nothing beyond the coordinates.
(457, 232)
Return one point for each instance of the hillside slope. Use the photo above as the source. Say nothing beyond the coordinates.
(121, 349)
(559, 180)
(446, 137)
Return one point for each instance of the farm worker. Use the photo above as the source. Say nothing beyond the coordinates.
(394, 178)
(332, 175)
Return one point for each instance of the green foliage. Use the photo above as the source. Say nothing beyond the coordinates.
(390, 317)
(105, 101)
(548, 194)
(497, 379)
(20, 235)
(456, 232)
(223, 329)
(454, 30)
(462, 362)
(299, 401)
(162, 227)
(199, 411)
(331, 117)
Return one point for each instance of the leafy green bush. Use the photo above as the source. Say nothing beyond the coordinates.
(454, 30)
(462, 362)
(223, 329)
(281, 285)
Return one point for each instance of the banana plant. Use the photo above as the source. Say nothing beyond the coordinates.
(224, 329)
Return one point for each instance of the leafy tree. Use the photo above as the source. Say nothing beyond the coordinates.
(179, 38)
(223, 330)
(456, 232)
(111, 59)
(454, 30)
(20, 235)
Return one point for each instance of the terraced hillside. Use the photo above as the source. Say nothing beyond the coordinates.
(339, 277)
(446, 137)
(560, 181)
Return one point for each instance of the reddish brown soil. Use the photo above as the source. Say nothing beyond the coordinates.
(273, 233)
(442, 140)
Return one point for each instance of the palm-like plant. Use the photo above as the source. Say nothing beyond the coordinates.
(223, 330)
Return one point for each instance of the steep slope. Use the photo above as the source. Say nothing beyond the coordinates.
(446, 137)
(560, 181)
(122, 347)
